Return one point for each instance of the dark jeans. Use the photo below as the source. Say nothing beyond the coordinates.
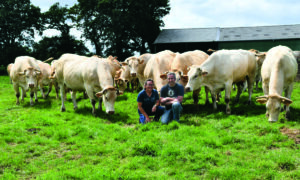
(157, 114)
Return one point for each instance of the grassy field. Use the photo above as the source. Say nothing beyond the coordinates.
(40, 142)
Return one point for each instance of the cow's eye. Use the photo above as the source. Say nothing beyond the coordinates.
(106, 98)
(195, 76)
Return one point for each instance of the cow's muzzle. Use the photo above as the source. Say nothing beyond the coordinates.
(187, 89)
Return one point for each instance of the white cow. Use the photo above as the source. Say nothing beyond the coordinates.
(180, 66)
(221, 70)
(25, 73)
(137, 66)
(278, 73)
(44, 78)
(92, 75)
(157, 65)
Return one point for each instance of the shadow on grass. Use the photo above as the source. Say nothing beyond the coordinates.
(114, 118)
(122, 98)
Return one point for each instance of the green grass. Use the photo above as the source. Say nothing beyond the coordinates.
(43, 143)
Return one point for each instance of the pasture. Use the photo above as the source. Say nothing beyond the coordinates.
(41, 142)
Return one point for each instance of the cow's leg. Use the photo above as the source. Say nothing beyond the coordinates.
(227, 97)
(239, 92)
(196, 96)
(62, 96)
(206, 95)
(213, 98)
(35, 94)
(56, 90)
(288, 94)
(17, 92)
(73, 95)
(31, 96)
(42, 90)
(90, 94)
(49, 89)
(265, 86)
(250, 82)
(23, 90)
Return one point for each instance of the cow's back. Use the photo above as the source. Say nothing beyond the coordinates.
(158, 64)
(184, 60)
(280, 58)
(230, 64)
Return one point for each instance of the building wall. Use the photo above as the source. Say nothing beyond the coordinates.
(260, 45)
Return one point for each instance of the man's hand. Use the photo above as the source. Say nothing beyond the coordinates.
(148, 119)
(154, 108)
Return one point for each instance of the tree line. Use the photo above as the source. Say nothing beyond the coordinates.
(114, 27)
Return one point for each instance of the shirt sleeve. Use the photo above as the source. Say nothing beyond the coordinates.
(162, 92)
(140, 97)
(181, 91)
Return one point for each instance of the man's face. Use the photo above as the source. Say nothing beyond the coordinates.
(149, 86)
(171, 80)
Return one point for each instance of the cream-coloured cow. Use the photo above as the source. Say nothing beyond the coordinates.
(25, 74)
(221, 70)
(278, 72)
(137, 66)
(8, 70)
(260, 57)
(180, 66)
(92, 75)
(157, 65)
(44, 78)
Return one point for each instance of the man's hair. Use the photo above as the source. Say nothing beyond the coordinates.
(145, 83)
(171, 73)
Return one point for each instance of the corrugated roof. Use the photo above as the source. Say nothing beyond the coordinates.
(228, 34)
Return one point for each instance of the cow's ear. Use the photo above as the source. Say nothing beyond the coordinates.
(262, 99)
(141, 61)
(184, 78)
(286, 101)
(204, 73)
(163, 76)
(99, 94)
(124, 63)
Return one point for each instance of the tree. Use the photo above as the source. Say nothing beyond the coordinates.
(120, 27)
(18, 22)
(58, 18)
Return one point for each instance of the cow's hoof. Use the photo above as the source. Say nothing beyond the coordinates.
(63, 109)
(36, 100)
(17, 103)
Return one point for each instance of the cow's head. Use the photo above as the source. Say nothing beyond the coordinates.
(273, 105)
(134, 64)
(260, 58)
(109, 96)
(195, 78)
(31, 76)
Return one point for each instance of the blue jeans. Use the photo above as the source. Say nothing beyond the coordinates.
(157, 114)
(173, 113)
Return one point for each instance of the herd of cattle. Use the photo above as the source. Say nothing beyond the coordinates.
(107, 77)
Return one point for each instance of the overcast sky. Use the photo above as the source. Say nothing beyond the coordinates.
(216, 13)
(219, 13)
